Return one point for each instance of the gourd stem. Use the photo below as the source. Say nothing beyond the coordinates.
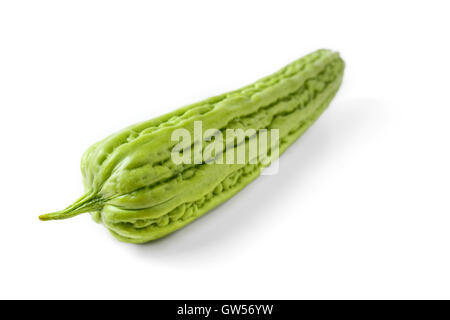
(89, 202)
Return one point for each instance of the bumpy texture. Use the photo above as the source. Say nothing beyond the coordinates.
(137, 191)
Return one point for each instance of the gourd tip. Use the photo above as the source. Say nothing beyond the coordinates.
(88, 202)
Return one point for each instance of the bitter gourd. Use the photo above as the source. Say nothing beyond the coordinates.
(137, 191)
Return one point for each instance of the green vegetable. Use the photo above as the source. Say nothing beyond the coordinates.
(140, 194)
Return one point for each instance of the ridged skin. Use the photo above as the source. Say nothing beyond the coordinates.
(139, 194)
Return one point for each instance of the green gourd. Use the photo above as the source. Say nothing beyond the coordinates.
(140, 194)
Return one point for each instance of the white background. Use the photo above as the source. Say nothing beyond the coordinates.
(359, 209)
